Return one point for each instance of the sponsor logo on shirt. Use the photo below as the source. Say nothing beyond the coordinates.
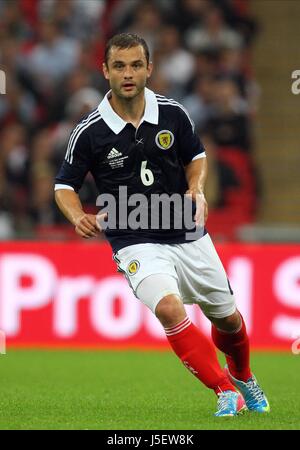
(116, 158)
(114, 153)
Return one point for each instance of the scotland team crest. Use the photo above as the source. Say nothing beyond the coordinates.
(164, 139)
(133, 267)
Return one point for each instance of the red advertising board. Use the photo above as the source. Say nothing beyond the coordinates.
(69, 294)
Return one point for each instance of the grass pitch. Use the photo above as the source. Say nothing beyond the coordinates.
(132, 390)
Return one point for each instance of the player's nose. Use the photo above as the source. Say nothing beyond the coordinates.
(128, 72)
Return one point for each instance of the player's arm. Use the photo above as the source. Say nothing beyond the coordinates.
(196, 174)
(70, 205)
(69, 180)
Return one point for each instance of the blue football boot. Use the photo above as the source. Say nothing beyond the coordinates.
(251, 391)
(230, 403)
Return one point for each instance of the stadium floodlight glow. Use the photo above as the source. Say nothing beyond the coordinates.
(2, 82)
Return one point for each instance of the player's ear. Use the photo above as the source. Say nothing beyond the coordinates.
(105, 71)
(149, 69)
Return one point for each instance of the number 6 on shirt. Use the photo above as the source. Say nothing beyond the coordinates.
(146, 175)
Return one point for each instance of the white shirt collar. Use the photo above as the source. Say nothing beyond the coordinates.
(116, 123)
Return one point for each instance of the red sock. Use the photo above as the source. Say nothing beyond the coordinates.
(235, 346)
(198, 355)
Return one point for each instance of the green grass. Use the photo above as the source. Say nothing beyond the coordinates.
(132, 390)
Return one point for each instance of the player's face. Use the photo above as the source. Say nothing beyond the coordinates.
(127, 71)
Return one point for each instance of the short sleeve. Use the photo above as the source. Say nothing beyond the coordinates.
(190, 145)
(77, 161)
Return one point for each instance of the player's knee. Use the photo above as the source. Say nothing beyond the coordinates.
(170, 310)
(229, 323)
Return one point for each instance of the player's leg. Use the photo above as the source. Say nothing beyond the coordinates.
(230, 336)
(204, 281)
(203, 276)
(153, 279)
(193, 348)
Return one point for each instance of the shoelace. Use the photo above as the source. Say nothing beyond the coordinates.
(255, 391)
(223, 400)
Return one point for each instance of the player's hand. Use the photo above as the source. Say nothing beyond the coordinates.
(87, 226)
(201, 206)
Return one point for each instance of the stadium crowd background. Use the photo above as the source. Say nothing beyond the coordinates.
(52, 52)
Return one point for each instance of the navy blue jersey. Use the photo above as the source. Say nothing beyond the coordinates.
(147, 160)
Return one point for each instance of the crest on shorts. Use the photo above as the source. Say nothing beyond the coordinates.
(133, 267)
(164, 139)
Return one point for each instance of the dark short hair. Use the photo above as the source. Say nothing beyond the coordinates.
(126, 40)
